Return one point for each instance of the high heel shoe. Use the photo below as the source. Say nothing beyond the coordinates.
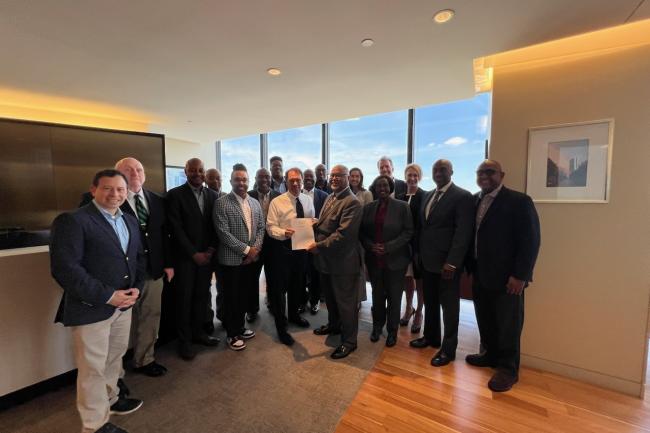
(417, 323)
(410, 311)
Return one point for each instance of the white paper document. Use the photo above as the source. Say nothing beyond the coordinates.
(304, 233)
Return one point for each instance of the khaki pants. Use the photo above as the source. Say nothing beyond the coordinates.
(146, 322)
(98, 351)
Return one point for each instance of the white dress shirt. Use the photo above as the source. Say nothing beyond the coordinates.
(248, 217)
(283, 209)
(130, 197)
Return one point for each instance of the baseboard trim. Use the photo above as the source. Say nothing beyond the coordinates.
(624, 386)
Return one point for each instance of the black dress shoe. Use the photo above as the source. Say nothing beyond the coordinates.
(206, 340)
(391, 340)
(314, 309)
(300, 321)
(153, 369)
(326, 330)
(123, 389)
(286, 338)
(421, 343)
(110, 428)
(342, 351)
(502, 381)
(374, 335)
(186, 352)
(480, 360)
(251, 317)
(441, 359)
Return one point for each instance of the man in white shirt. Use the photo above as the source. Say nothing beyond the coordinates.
(288, 265)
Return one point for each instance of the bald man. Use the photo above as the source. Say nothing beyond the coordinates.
(189, 210)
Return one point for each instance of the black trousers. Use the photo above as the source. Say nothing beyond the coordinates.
(387, 288)
(500, 319)
(286, 294)
(342, 297)
(446, 294)
(252, 301)
(313, 282)
(235, 278)
(192, 288)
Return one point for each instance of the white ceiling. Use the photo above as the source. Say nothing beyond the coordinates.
(205, 61)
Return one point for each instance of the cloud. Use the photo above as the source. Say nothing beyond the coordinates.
(455, 141)
(482, 124)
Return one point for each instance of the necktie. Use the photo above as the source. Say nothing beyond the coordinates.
(143, 215)
(299, 210)
(434, 201)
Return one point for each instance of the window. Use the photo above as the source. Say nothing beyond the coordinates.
(298, 147)
(360, 142)
(245, 150)
(175, 176)
(455, 131)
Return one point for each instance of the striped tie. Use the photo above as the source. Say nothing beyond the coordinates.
(143, 215)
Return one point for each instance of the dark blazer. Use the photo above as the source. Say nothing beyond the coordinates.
(397, 232)
(416, 202)
(88, 262)
(255, 194)
(191, 231)
(319, 199)
(337, 235)
(447, 234)
(508, 240)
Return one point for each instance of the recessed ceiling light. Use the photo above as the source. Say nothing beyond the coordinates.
(273, 71)
(367, 43)
(443, 16)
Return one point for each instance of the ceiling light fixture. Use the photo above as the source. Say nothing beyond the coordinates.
(443, 16)
(273, 71)
(367, 43)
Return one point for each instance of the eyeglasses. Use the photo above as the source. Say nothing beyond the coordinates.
(338, 175)
(486, 171)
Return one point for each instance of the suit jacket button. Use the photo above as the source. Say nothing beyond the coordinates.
(146, 234)
(146, 251)
(127, 258)
(126, 277)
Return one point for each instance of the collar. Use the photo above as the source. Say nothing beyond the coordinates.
(239, 199)
(195, 189)
(444, 188)
(338, 194)
(131, 194)
(492, 194)
(105, 212)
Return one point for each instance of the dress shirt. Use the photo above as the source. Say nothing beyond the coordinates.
(131, 199)
(441, 192)
(264, 200)
(282, 210)
(198, 193)
(309, 193)
(483, 206)
(117, 222)
(279, 187)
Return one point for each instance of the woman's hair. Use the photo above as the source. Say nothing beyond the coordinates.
(361, 188)
(416, 168)
(391, 184)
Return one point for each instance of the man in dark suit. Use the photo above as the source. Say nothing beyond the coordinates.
(322, 183)
(189, 211)
(97, 258)
(385, 167)
(149, 209)
(239, 223)
(264, 195)
(313, 279)
(338, 259)
(445, 235)
(506, 243)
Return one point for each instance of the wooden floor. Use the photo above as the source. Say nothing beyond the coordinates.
(405, 394)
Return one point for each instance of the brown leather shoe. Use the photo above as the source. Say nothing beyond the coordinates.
(502, 381)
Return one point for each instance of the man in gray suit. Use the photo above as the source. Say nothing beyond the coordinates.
(446, 227)
(338, 259)
(239, 223)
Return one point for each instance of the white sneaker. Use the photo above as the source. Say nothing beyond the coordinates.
(247, 333)
(236, 343)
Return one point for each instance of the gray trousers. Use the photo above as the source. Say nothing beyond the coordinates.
(342, 299)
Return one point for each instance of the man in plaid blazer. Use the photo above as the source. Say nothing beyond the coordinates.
(239, 222)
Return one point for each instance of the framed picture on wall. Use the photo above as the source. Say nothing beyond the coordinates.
(570, 163)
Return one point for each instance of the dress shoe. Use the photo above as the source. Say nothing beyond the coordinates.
(502, 381)
(206, 340)
(407, 316)
(123, 389)
(251, 317)
(286, 338)
(441, 359)
(422, 342)
(417, 323)
(342, 351)
(391, 340)
(125, 406)
(480, 360)
(110, 428)
(153, 369)
(374, 335)
(186, 352)
(326, 330)
(302, 309)
(300, 321)
(314, 309)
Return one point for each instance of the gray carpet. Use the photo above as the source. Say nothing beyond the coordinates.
(266, 388)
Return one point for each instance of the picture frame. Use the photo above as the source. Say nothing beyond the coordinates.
(570, 163)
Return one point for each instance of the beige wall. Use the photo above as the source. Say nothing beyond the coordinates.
(587, 310)
(178, 151)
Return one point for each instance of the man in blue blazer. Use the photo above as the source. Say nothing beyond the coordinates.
(506, 243)
(97, 258)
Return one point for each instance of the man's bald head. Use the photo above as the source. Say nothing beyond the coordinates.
(134, 172)
(442, 171)
(489, 175)
(213, 179)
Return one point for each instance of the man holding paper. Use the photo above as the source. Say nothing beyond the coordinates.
(288, 263)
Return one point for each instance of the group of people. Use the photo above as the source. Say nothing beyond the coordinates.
(112, 254)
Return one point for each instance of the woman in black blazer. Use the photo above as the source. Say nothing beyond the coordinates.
(413, 279)
(386, 229)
